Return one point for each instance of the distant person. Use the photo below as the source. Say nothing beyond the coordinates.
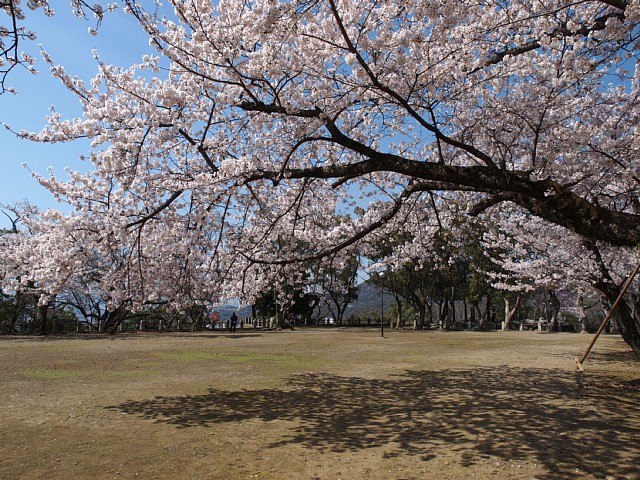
(234, 322)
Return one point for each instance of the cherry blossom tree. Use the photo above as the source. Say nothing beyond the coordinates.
(536, 255)
(14, 300)
(262, 120)
(55, 253)
(337, 279)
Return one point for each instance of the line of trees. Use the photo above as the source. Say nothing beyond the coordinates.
(463, 283)
(460, 284)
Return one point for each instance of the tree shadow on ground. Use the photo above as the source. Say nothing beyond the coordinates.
(562, 420)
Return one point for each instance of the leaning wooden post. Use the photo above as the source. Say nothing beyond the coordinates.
(580, 361)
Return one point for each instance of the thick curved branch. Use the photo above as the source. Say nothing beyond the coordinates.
(600, 23)
(544, 198)
(547, 199)
(250, 106)
(619, 4)
(156, 211)
(489, 202)
(203, 151)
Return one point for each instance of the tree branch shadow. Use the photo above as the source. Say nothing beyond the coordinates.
(562, 420)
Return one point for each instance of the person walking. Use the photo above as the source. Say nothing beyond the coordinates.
(234, 322)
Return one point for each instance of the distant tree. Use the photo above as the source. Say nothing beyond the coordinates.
(265, 305)
(337, 278)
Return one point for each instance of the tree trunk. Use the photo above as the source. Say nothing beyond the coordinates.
(444, 313)
(18, 308)
(478, 317)
(510, 312)
(399, 313)
(279, 317)
(114, 319)
(553, 311)
(422, 317)
(582, 315)
(42, 318)
(627, 323)
(472, 316)
(451, 318)
(606, 306)
(488, 312)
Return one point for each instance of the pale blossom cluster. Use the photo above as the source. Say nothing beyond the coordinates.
(531, 254)
(14, 31)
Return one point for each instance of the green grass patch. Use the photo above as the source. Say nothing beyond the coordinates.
(50, 373)
(281, 359)
(117, 374)
(62, 373)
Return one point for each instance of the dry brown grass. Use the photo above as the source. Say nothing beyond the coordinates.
(318, 404)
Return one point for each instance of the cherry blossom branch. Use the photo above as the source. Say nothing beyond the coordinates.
(599, 24)
(401, 100)
(156, 211)
(10, 52)
(201, 149)
(384, 219)
(199, 146)
(272, 109)
(545, 198)
(489, 202)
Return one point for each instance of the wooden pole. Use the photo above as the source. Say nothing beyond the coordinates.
(580, 361)
(382, 304)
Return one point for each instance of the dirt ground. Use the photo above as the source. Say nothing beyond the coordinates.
(318, 404)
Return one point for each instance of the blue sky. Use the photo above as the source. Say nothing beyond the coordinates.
(120, 41)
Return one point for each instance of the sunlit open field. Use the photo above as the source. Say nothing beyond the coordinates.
(318, 404)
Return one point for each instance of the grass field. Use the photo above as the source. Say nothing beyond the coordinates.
(318, 404)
